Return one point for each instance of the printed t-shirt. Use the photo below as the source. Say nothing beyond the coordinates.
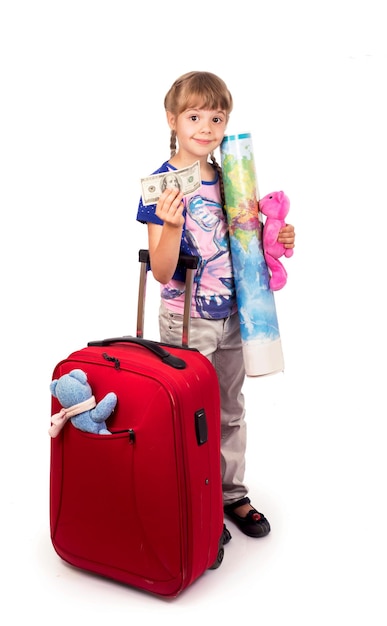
(205, 235)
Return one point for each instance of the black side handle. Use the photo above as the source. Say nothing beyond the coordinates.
(153, 346)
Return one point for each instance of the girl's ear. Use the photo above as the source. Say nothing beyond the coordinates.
(171, 120)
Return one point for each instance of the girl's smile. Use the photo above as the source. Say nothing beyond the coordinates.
(202, 142)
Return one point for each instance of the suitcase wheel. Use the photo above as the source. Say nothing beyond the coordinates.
(225, 538)
(219, 558)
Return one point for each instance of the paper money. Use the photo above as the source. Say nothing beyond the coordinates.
(187, 180)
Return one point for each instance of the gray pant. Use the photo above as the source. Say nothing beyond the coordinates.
(220, 342)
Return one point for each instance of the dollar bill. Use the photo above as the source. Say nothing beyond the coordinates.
(187, 180)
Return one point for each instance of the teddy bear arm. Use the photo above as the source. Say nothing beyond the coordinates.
(104, 408)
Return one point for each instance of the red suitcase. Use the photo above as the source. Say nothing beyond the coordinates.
(143, 505)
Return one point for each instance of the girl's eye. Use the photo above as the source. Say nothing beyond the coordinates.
(217, 120)
(194, 118)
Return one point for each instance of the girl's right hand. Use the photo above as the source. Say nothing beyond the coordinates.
(170, 207)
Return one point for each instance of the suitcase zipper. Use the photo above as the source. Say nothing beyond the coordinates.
(129, 431)
(113, 359)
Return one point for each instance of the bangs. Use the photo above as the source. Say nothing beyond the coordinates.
(204, 96)
(199, 90)
(204, 101)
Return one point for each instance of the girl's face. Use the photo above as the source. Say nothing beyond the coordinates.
(199, 131)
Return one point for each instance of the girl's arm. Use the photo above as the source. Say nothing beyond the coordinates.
(164, 241)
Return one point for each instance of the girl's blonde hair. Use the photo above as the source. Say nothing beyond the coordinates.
(202, 89)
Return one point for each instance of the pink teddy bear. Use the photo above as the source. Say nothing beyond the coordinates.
(275, 206)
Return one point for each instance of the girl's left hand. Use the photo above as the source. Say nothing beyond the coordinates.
(287, 236)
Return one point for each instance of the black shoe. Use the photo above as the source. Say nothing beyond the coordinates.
(254, 524)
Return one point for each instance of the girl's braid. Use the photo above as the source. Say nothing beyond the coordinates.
(172, 143)
(221, 183)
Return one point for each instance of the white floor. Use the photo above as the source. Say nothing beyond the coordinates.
(82, 103)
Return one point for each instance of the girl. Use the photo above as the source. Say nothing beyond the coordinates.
(198, 106)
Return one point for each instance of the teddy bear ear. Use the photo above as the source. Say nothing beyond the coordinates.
(79, 375)
(53, 385)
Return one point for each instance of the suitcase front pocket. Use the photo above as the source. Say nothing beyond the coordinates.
(114, 507)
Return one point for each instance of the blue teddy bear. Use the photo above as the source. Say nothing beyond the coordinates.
(76, 397)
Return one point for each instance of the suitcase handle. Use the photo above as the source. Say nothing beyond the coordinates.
(164, 355)
(190, 264)
(185, 260)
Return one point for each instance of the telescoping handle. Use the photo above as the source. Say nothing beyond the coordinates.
(186, 261)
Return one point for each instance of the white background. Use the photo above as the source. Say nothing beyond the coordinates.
(82, 119)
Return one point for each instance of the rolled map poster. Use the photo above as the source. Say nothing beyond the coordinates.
(261, 342)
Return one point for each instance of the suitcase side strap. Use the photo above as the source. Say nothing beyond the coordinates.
(164, 355)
